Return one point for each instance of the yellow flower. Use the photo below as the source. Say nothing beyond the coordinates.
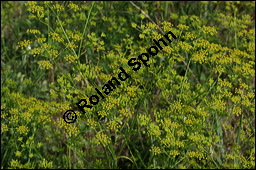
(154, 130)
(71, 45)
(180, 133)
(191, 154)
(143, 120)
(70, 58)
(4, 128)
(18, 153)
(58, 7)
(101, 139)
(237, 110)
(142, 16)
(74, 7)
(113, 125)
(22, 129)
(76, 37)
(155, 149)
(200, 56)
(209, 30)
(35, 51)
(103, 113)
(53, 53)
(126, 112)
(45, 64)
(16, 164)
(183, 27)
(27, 116)
(142, 36)
(190, 36)
(31, 155)
(56, 36)
(174, 153)
(134, 25)
(184, 46)
(45, 164)
(167, 26)
(14, 119)
(33, 8)
(24, 43)
(71, 130)
(33, 31)
(103, 34)
(39, 144)
(91, 123)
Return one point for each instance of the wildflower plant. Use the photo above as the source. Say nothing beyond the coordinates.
(193, 107)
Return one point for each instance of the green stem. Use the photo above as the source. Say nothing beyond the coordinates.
(182, 85)
(66, 36)
(81, 42)
(205, 91)
(235, 27)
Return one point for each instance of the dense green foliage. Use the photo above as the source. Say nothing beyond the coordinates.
(194, 107)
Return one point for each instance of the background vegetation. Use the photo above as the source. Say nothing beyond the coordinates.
(193, 108)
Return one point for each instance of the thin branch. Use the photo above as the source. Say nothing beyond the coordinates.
(191, 72)
(146, 16)
(186, 64)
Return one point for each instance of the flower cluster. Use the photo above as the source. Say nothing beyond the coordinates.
(185, 104)
(101, 139)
